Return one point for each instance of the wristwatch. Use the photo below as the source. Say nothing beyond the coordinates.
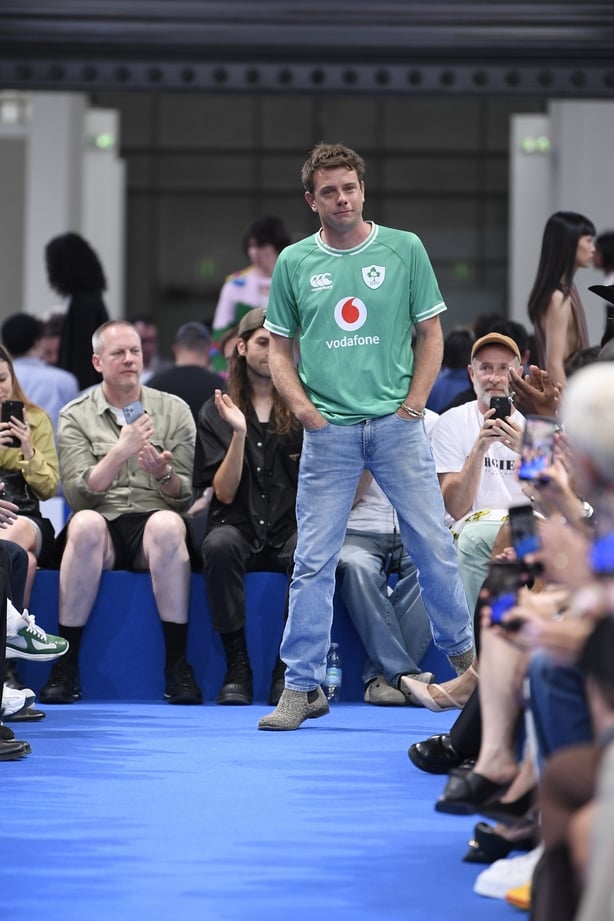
(589, 511)
(168, 476)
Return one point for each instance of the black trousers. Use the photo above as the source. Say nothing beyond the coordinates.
(227, 556)
(13, 572)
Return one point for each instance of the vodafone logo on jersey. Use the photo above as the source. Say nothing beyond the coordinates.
(350, 313)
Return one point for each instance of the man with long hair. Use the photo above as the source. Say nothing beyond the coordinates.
(247, 450)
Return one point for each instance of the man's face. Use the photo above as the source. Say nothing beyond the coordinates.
(256, 351)
(149, 340)
(489, 373)
(338, 198)
(120, 359)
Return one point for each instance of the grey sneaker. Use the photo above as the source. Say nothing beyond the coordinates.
(294, 708)
(382, 694)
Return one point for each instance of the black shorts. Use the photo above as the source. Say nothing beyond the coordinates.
(126, 534)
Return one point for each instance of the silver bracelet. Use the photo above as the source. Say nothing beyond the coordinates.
(413, 412)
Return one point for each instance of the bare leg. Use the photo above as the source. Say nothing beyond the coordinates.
(88, 551)
(165, 554)
(501, 667)
(22, 532)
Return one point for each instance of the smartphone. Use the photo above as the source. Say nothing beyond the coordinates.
(133, 411)
(537, 448)
(12, 408)
(524, 531)
(503, 582)
(502, 407)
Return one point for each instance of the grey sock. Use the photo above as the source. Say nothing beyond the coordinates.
(461, 662)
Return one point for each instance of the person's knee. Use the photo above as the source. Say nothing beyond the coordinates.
(220, 545)
(166, 531)
(87, 531)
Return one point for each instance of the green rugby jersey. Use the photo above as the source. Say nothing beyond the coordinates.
(352, 312)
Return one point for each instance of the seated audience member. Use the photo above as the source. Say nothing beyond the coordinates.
(24, 638)
(153, 363)
(453, 377)
(28, 472)
(189, 378)
(50, 341)
(48, 387)
(127, 478)
(475, 456)
(568, 786)
(495, 323)
(248, 448)
(392, 624)
(554, 625)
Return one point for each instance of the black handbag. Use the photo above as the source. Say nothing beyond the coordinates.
(17, 490)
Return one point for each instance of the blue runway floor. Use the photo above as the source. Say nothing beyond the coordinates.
(128, 811)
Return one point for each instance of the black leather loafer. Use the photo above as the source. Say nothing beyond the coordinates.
(435, 755)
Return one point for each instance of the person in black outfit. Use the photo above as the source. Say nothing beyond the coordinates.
(190, 378)
(13, 572)
(247, 449)
(75, 272)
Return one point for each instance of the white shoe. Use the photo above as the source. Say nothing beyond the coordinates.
(13, 701)
(506, 874)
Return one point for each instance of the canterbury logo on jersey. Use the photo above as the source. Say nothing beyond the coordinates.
(321, 281)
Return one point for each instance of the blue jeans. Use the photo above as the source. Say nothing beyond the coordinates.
(399, 456)
(558, 704)
(394, 627)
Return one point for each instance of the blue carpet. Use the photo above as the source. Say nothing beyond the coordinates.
(139, 810)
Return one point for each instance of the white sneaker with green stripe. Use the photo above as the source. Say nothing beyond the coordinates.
(31, 642)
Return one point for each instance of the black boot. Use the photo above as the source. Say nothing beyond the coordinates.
(11, 678)
(277, 683)
(63, 686)
(238, 683)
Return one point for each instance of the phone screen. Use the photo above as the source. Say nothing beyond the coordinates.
(524, 534)
(12, 408)
(502, 582)
(537, 447)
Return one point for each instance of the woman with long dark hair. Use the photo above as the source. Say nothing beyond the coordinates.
(75, 271)
(555, 308)
(29, 472)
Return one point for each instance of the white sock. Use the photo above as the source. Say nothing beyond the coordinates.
(14, 620)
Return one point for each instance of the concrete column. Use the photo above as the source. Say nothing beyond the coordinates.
(530, 206)
(54, 159)
(12, 186)
(103, 205)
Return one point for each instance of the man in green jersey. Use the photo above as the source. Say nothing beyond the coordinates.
(352, 293)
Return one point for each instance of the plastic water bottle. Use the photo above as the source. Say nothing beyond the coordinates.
(334, 674)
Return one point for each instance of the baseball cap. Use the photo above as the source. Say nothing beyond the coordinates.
(253, 319)
(604, 291)
(495, 339)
